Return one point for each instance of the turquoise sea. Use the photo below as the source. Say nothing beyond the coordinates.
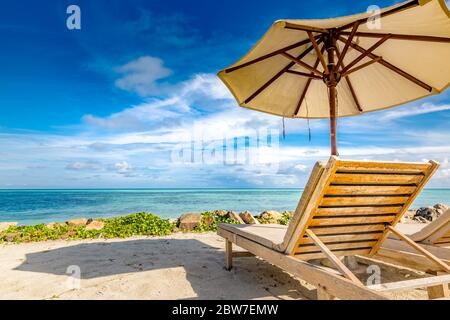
(42, 206)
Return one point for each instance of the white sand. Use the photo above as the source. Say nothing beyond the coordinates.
(180, 266)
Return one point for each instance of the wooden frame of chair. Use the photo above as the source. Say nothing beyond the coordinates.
(347, 209)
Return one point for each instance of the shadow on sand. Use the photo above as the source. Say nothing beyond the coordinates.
(202, 263)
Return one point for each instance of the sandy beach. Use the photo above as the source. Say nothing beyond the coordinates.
(179, 266)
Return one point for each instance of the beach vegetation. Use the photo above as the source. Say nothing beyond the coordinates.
(137, 224)
(285, 218)
(210, 221)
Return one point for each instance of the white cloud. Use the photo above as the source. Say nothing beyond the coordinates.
(408, 111)
(123, 167)
(141, 75)
(207, 85)
(301, 167)
(203, 92)
(88, 165)
(141, 116)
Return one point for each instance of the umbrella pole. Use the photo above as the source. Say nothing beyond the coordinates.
(332, 80)
(334, 151)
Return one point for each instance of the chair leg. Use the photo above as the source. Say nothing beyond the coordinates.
(228, 254)
(440, 291)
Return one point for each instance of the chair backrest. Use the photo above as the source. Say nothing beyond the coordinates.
(351, 203)
(438, 231)
(308, 191)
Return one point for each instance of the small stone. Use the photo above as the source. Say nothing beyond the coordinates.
(234, 216)
(270, 216)
(5, 225)
(441, 208)
(51, 225)
(248, 218)
(220, 213)
(208, 220)
(10, 237)
(77, 222)
(95, 225)
(189, 221)
(408, 217)
(427, 213)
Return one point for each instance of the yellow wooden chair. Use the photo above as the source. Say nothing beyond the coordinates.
(348, 208)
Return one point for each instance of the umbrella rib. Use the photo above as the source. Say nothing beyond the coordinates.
(364, 65)
(390, 66)
(272, 54)
(304, 74)
(349, 83)
(347, 44)
(366, 53)
(301, 63)
(352, 91)
(319, 54)
(275, 77)
(302, 97)
(305, 90)
(293, 26)
(408, 5)
(399, 36)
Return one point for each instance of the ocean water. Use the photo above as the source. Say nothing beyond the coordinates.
(43, 206)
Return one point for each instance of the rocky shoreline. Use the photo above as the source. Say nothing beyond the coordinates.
(149, 224)
(425, 214)
(190, 221)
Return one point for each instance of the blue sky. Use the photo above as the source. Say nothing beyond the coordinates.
(112, 104)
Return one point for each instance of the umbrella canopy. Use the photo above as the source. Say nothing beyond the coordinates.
(301, 68)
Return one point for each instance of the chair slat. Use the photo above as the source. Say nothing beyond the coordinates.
(351, 220)
(342, 245)
(344, 237)
(382, 167)
(369, 190)
(362, 201)
(320, 255)
(352, 229)
(374, 179)
(357, 211)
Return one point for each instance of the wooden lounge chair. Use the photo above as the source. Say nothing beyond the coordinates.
(433, 237)
(436, 233)
(348, 208)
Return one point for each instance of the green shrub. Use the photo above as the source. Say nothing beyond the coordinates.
(36, 233)
(137, 224)
(210, 221)
(285, 218)
(145, 224)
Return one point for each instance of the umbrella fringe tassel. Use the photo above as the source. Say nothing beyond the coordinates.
(307, 121)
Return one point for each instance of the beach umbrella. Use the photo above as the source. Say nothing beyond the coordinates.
(346, 66)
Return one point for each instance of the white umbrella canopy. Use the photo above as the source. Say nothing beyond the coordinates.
(301, 68)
